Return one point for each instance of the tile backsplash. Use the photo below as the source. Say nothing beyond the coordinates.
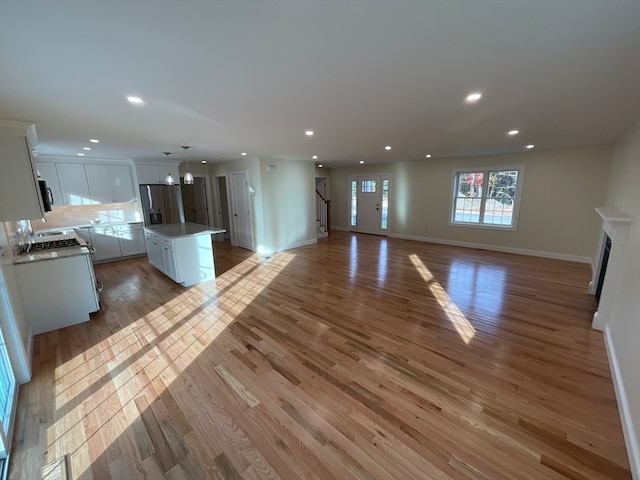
(68, 216)
(17, 232)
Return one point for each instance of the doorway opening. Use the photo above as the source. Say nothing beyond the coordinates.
(195, 201)
(222, 205)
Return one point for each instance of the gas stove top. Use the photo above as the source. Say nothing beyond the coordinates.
(50, 245)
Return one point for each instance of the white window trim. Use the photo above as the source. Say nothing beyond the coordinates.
(516, 204)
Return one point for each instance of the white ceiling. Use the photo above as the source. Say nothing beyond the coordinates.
(251, 76)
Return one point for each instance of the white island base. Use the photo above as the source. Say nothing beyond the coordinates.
(182, 251)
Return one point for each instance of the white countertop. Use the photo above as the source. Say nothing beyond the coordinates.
(175, 230)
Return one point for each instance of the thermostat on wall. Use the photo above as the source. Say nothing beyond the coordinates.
(271, 168)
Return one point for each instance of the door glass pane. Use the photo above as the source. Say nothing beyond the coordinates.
(368, 186)
(384, 223)
(354, 202)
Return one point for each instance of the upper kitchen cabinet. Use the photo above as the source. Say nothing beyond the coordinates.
(20, 196)
(73, 183)
(156, 174)
(110, 183)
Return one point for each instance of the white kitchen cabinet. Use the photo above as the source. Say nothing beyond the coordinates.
(66, 292)
(155, 174)
(20, 197)
(106, 242)
(115, 241)
(49, 174)
(131, 239)
(99, 183)
(73, 184)
(153, 250)
(185, 259)
(122, 183)
(110, 183)
(169, 266)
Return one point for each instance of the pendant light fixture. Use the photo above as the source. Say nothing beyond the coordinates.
(168, 180)
(188, 178)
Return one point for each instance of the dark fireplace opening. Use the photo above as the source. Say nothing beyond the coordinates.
(603, 267)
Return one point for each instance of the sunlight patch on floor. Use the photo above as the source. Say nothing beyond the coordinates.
(191, 320)
(455, 316)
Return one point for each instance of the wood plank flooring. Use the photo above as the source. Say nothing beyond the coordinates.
(358, 358)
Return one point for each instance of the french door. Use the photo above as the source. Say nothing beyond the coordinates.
(369, 203)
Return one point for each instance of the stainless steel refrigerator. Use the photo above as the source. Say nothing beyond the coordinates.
(161, 204)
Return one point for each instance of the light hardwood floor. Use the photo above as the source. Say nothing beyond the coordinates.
(357, 358)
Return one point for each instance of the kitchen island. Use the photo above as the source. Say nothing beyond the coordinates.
(182, 251)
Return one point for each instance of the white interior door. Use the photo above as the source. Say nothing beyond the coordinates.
(242, 231)
(369, 204)
(222, 212)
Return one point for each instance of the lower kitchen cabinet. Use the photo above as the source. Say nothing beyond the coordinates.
(131, 239)
(61, 291)
(114, 241)
(106, 242)
(186, 260)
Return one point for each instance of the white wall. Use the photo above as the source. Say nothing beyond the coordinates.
(13, 319)
(561, 189)
(623, 329)
(288, 203)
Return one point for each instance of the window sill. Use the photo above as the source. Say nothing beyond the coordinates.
(485, 226)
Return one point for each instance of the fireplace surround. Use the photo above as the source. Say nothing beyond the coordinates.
(615, 226)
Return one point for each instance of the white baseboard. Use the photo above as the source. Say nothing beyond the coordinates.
(303, 243)
(497, 248)
(339, 229)
(628, 430)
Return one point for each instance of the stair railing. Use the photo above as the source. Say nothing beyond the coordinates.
(323, 213)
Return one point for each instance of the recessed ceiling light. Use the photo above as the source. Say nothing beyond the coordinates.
(320, 165)
(513, 132)
(204, 161)
(86, 148)
(135, 100)
(361, 161)
(94, 140)
(315, 157)
(244, 154)
(388, 147)
(428, 155)
(309, 133)
(473, 97)
(529, 147)
(81, 154)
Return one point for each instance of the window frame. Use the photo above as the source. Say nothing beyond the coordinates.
(485, 170)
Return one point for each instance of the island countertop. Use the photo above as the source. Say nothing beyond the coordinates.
(176, 230)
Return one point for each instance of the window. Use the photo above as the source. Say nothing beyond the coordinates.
(354, 202)
(487, 197)
(384, 222)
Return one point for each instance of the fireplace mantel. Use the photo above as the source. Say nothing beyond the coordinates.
(615, 225)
